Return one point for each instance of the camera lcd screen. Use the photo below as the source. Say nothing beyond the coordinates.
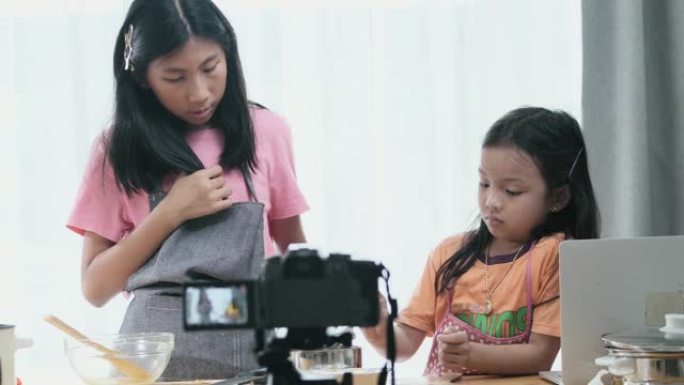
(219, 306)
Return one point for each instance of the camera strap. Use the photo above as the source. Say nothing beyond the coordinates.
(391, 349)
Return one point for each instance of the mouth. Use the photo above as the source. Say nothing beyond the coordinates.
(493, 220)
(202, 112)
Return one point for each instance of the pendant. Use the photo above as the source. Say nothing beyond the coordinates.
(472, 308)
(487, 307)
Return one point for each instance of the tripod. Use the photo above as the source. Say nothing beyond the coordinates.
(275, 357)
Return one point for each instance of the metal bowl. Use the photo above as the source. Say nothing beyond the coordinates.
(646, 356)
(326, 359)
(648, 368)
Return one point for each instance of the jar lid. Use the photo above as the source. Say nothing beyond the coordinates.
(651, 340)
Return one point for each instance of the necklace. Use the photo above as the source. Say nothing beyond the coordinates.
(488, 306)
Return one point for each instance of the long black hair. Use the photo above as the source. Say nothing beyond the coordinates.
(554, 141)
(146, 141)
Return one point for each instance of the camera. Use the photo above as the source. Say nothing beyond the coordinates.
(302, 292)
(299, 290)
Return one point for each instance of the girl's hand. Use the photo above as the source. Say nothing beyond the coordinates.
(454, 350)
(201, 193)
(379, 331)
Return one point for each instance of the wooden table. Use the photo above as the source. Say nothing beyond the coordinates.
(480, 380)
(466, 380)
(63, 375)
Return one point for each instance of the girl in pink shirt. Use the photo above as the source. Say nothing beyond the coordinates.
(191, 178)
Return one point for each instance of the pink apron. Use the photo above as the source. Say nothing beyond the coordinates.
(435, 369)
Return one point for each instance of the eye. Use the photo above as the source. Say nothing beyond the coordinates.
(484, 185)
(210, 70)
(174, 80)
(513, 193)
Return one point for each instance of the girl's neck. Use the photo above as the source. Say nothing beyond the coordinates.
(502, 246)
(192, 128)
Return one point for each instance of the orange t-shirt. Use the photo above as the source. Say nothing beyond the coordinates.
(507, 318)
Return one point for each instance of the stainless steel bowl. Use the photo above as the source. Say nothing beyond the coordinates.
(326, 359)
(650, 368)
(646, 356)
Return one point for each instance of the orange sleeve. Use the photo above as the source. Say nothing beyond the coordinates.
(426, 308)
(546, 314)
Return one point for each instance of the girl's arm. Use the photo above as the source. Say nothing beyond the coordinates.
(407, 338)
(107, 265)
(456, 352)
(287, 231)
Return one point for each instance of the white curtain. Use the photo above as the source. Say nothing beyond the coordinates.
(388, 103)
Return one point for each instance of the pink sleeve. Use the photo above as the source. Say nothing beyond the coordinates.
(98, 207)
(286, 198)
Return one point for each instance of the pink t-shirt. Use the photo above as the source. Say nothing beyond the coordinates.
(103, 208)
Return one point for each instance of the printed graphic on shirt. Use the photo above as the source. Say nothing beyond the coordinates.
(502, 325)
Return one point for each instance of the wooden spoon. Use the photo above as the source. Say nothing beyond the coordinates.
(126, 367)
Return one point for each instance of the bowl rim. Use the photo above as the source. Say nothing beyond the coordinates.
(71, 344)
(127, 336)
(353, 348)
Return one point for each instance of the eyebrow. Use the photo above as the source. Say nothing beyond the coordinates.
(513, 180)
(481, 171)
(205, 62)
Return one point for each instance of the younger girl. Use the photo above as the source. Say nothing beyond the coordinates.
(191, 179)
(490, 297)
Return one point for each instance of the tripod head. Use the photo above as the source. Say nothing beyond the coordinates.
(275, 356)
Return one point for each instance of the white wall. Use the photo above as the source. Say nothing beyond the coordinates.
(388, 103)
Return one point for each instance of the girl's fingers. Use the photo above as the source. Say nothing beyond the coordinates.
(223, 204)
(218, 182)
(452, 363)
(453, 338)
(222, 193)
(214, 171)
(454, 348)
(449, 356)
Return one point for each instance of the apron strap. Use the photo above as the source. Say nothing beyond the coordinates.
(247, 176)
(528, 279)
(158, 194)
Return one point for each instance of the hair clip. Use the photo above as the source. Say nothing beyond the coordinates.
(128, 49)
(572, 169)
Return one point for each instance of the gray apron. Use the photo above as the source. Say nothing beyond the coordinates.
(227, 245)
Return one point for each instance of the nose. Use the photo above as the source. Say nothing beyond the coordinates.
(198, 91)
(493, 200)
